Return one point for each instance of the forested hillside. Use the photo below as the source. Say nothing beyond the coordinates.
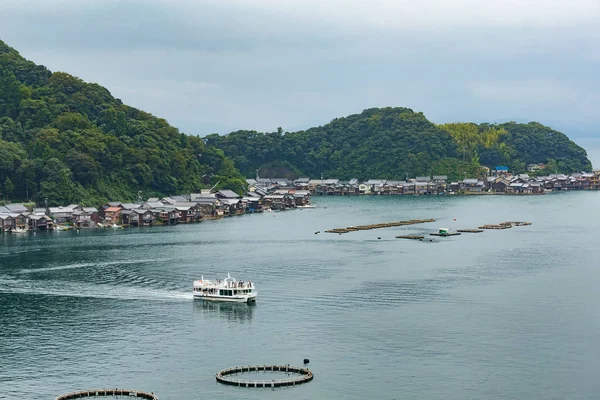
(396, 143)
(72, 141)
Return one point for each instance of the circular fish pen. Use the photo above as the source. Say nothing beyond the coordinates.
(108, 392)
(301, 375)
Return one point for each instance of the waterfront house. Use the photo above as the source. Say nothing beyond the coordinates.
(253, 204)
(138, 217)
(85, 217)
(376, 185)
(39, 222)
(64, 214)
(112, 214)
(499, 184)
(20, 220)
(7, 222)
(473, 185)
(189, 211)
(440, 182)
(408, 188)
(363, 188)
(595, 180)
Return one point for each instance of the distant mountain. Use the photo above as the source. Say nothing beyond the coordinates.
(396, 143)
(71, 141)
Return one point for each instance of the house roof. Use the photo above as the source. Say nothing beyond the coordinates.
(113, 209)
(181, 197)
(4, 210)
(16, 208)
(153, 204)
(440, 177)
(130, 206)
(471, 180)
(90, 209)
(423, 179)
(375, 182)
(251, 181)
(61, 209)
(302, 180)
(228, 194)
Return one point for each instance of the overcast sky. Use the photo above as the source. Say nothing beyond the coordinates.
(223, 65)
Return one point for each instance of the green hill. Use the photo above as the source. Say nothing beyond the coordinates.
(71, 141)
(397, 142)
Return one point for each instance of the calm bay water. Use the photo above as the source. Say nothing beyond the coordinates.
(512, 314)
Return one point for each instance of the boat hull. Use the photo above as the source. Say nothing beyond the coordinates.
(230, 299)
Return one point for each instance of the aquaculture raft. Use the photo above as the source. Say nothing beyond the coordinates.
(108, 392)
(413, 237)
(469, 230)
(303, 375)
(378, 226)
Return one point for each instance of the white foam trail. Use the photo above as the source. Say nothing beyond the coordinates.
(83, 265)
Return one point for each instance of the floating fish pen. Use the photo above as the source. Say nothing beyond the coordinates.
(108, 392)
(379, 226)
(493, 226)
(414, 237)
(302, 375)
(445, 234)
(469, 230)
(516, 223)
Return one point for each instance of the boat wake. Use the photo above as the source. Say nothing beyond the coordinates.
(97, 291)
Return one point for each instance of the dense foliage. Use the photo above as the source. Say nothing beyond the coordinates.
(71, 141)
(396, 143)
(381, 143)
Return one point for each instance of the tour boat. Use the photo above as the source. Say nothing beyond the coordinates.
(228, 289)
(306, 206)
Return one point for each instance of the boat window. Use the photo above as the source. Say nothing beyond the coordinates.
(221, 292)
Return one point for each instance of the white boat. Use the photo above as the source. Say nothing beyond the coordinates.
(60, 228)
(306, 206)
(116, 226)
(228, 289)
(19, 230)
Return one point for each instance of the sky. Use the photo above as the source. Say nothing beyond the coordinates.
(218, 66)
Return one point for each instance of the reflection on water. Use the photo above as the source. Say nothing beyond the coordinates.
(235, 312)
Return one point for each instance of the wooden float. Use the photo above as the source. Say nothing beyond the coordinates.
(469, 230)
(378, 226)
(414, 237)
(445, 234)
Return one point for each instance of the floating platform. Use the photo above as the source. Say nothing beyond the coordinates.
(445, 234)
(303, 375)
(516, 223)
(469, 230)
(108, 392)
(379, 226)
(414, 237)
(493, 226)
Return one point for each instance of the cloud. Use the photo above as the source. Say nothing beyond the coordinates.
(212, 65)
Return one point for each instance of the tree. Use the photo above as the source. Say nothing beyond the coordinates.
(8, 187)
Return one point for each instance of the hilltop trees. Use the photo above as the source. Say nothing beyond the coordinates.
(69, 140)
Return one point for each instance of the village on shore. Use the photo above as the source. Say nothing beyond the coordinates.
(274, 194)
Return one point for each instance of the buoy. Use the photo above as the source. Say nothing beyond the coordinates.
(306, 361)
(455, 219)
(379, 237)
